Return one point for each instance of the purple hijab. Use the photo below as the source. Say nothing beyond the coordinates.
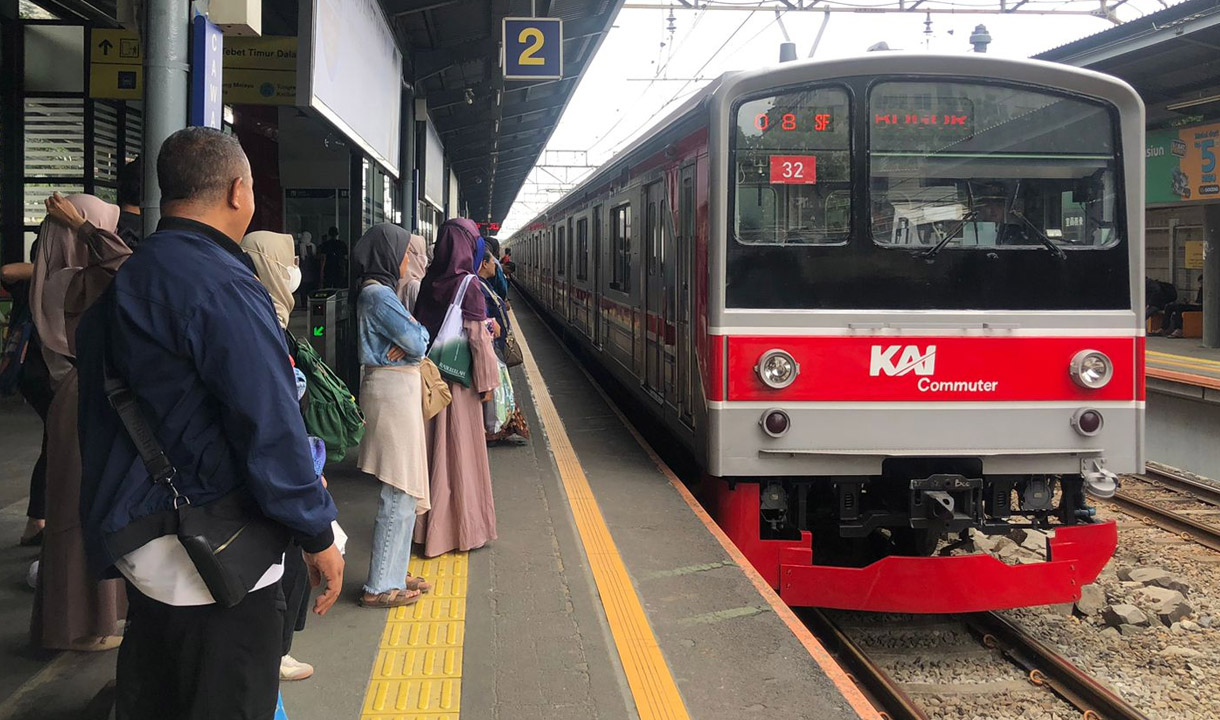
(454, 257)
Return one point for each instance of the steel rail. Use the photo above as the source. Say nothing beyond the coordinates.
(1046, 667)
(889, 697)
(1187, 528)
(1173, 480)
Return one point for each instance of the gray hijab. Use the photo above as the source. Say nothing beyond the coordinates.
(378, 255)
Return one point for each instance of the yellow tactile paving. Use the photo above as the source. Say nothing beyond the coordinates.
(418, 671)
(648, 676)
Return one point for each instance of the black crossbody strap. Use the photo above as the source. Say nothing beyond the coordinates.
(161, 471)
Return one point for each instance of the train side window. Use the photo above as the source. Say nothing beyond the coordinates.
(620, 248)
(582, 249)
(560, 253)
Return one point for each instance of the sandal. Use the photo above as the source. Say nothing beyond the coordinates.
(97, 644)
(418, 583)
(392, 599)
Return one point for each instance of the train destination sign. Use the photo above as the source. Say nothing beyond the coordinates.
(794, 169)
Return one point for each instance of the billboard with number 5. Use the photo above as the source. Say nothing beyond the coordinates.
(1182, 164)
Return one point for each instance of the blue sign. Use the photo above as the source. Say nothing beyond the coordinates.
(533, 49)
(207, 58)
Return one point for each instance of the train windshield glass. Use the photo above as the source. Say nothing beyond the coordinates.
(961, 166)
(793, 169)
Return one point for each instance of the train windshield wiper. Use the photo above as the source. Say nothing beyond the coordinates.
(933, 251)
(1042, 237)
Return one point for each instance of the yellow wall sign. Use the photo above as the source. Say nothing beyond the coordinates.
(116, 65)
(260, 71)
(1194, 254)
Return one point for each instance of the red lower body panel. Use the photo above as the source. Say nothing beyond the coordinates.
(969, 583)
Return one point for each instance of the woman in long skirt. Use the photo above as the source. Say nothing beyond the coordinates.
(77, 252)
(463, 515)
(393, 450)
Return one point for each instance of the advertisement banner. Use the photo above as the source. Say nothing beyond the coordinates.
(1181, 166)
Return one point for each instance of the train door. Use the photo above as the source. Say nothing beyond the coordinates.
(561, 261)
(654, 290)
(684, 259)
(570, 273)
(597, 276)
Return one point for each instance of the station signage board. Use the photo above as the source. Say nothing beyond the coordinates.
(533, 49)
(1181, 164)
(207, 56)
(116, 65)
(260, 70)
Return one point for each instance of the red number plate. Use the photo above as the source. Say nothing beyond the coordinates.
(794, 169)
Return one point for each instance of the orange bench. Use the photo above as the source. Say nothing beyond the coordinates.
(1192, 324)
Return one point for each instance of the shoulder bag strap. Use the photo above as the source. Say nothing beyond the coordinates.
(161, 471)
(461, 293)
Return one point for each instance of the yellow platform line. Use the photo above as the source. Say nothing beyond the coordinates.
(1155, 362)
(1181, 358)
(418, 671)
(648, 676)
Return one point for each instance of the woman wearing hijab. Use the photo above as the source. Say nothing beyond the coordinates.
(274, 257)
(515, 429)
(394, 448)
(408, 286)
(78, 254)
(463, 515)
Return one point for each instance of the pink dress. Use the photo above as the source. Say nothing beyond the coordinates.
(463, 514)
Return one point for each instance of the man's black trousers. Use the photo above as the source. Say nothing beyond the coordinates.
(201, 663)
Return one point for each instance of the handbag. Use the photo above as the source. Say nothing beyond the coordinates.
(451, 349)
(512, 350)
(230, 541)
(436, 395)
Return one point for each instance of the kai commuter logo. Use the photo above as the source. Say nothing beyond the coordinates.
(899, 360)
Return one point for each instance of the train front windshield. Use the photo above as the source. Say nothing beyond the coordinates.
(955, 195)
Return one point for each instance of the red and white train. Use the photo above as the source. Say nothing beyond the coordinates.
(883, 301)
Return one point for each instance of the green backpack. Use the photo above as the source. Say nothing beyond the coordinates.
(331, 412)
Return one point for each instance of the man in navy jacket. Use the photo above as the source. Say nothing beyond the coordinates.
(194, 335)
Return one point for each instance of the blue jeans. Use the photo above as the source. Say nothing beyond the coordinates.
(391, 541)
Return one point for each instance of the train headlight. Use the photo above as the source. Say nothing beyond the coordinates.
(1091, 369)
(777, 369)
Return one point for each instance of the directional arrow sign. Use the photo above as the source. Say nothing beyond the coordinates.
(319, 331)
(105, 46)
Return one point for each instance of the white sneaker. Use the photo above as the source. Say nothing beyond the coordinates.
(293, 669)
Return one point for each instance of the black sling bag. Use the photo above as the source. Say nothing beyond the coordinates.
(230, 541)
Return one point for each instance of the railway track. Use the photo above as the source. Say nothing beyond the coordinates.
(1175, 502)
(1042, 668)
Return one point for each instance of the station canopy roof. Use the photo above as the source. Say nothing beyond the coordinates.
(1172, 57)
(493, 131)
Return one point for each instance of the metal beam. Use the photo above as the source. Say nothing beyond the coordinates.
(402, 8)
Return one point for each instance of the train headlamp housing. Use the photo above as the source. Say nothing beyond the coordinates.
(1091, 369)
(777, 369)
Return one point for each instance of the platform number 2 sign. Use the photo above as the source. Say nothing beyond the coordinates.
(533, 49)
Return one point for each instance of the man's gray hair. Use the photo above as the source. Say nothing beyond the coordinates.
(199, 164)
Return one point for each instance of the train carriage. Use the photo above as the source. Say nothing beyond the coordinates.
(883, 301)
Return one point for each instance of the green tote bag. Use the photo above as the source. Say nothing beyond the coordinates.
(451, 348)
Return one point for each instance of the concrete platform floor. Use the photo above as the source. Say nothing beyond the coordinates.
(537, 643)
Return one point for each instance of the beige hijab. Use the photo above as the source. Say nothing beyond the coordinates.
(273, 255)
(61, 257)
(417, 265)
